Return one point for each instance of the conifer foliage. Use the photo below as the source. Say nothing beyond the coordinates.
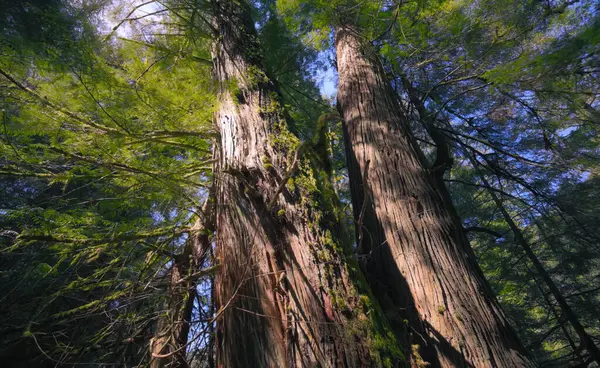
(181, 187)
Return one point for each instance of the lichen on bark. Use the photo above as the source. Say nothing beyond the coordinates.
(289, 292)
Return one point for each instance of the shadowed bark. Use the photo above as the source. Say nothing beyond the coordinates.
(289, 292)
(416, 255)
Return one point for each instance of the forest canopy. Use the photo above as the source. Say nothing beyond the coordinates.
(224, 183)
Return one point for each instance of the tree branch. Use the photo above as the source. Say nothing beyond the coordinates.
(483, 230)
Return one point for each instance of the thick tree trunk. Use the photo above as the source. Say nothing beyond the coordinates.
(288, 293)
(585, 339)
(416, 256)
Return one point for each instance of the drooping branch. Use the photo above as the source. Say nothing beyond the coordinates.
(168, 347)
(443, 158)
(172, 231)
(61, 111)
(520, 239)
(483, 230)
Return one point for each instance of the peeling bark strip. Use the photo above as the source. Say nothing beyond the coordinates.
(287, 293)
(418, 258)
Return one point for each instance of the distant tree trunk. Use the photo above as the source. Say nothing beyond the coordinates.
(211, 328)
(586, 340)
(169, 345)
(560, 320)
(289, 294)
(416, 256)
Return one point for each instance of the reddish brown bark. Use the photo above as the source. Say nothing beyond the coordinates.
(417, 256)
(287, 293)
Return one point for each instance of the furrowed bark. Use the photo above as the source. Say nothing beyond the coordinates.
(444, 161)
(585, 339)
(289, 293)
(417, 256)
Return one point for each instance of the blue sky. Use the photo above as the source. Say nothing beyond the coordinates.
(327, 82)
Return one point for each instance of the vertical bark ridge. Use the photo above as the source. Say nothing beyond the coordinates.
(417, 257)
(288, 293)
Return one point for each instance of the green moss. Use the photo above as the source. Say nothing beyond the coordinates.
(365, 302)
(272, 105)
(387, 362)
(255, 77)
(283, 140)
(329, 272)
(328, 241)
(281, 213)
(323, 255)
(234, 89)
(319, 205)
(417, 357)
(291, 185)
(385, 348)
(267, 162)
(338, 301)
(307, 183)
(441, 309)
(380, 340)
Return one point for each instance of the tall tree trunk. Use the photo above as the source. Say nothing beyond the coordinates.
(585, 339)
(169, 345)
(289, 294)
(416, 255)
(443, 162)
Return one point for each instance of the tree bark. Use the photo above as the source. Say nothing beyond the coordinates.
(416, 255)
(289, 292)
(585, 339)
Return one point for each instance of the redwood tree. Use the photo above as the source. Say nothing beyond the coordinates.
(414, 249)
(288, 292)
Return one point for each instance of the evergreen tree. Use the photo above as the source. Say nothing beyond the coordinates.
(174, 190)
